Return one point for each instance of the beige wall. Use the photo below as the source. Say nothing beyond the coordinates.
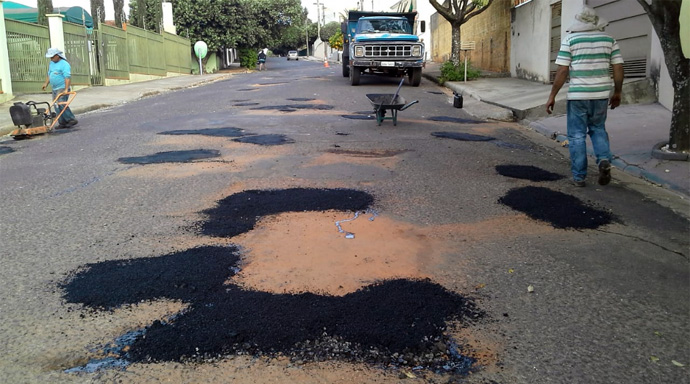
(490, 30)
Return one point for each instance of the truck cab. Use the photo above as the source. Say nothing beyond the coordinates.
(380, 43)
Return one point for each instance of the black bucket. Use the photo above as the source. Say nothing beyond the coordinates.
(457, 100)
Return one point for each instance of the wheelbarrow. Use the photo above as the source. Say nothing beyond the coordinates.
(383, 102)
(35, 119)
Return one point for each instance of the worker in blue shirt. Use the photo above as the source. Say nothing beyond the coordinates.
(60, 77)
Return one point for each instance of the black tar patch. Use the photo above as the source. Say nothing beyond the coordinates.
(454, 120)
(320, 107)
(558, 209)
(5, 150)
(239, 213)
(462, 136)
(527, 172)
(359, 117)
(265, 140)
(219, 132)
(172, 157)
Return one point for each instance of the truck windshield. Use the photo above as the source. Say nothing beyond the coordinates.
(384, 25)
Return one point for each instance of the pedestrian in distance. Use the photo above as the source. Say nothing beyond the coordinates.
(262, 60)
(60, 77)
(586, 54)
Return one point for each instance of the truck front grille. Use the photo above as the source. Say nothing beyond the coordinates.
(387, 50)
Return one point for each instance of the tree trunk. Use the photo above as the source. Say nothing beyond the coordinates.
(119, 12)
(679, 135)
(97, 11)
(45, 7)
(455, 44)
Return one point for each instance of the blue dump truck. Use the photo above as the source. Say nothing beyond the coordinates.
(380, 43)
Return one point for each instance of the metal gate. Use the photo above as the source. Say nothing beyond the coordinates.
(27, 44)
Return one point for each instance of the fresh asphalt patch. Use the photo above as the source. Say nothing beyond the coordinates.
(359, 117)
(527, 172)
(218, 132)
(172, 157)
(5, 150)
(462, 136)
(247, 89)
(265, 140)
(391, 323)
(319, 107)
(238, 213)
(561, 210)
(245, 104)
(450, 119)
(300, 99)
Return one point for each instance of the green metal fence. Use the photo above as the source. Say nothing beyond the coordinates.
(146, 52)
(178, 53)
(27, 44)
(115, 55)
(77, 52)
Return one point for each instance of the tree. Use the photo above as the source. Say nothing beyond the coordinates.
(97, 11)
(329, 30)
(458, 12)
(118, 6)
(45, 7)
(336, 41)
(237, 23)
(664, 15)
(146, 14)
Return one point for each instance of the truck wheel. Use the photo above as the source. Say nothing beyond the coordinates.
(346, 69)
(415, 76)
(354, 75)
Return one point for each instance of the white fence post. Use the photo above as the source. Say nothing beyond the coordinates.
(57, 34)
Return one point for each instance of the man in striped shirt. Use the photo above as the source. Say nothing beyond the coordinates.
(586, 54)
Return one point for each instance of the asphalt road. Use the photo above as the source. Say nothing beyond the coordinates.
(609, 304)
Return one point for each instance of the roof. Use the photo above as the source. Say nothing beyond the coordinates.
(76, 15)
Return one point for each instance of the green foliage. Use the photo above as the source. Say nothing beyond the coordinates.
(336, 41)
(146, 14)
(248, 57)
(238, 23)
(329, 30)
(452, 72)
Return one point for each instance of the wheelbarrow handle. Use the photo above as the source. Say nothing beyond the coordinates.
(408, 105)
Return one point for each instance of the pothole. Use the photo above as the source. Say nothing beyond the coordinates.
(462, 136)
(219, 132)
(172, 157)
(556, 208)
(527, 172)
(265, 140)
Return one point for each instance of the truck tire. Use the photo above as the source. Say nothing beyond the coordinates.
(415, 76)
(346, 68)
(354, 75)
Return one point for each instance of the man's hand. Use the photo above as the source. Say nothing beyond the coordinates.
(615, 100)
(44, 87)
(549, 105)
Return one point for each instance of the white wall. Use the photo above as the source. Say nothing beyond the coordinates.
(657, 65)
(424, 12)
(529, 41)
(5, 75)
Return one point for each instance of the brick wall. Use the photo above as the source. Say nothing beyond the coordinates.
(490, 31)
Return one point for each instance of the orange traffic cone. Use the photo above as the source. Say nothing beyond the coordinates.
(325, 63)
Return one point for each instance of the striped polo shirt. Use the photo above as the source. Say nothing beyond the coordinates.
(588, 54)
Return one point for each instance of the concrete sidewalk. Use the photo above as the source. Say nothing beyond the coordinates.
(636, 128)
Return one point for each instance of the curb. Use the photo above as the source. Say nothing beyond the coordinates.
(659, 153)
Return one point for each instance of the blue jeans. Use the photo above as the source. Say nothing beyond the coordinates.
(587, 117)
(67, 115)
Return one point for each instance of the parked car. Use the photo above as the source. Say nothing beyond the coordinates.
(292, 55)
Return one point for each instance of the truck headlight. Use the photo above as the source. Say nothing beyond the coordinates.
(359, 51)
(416, 50)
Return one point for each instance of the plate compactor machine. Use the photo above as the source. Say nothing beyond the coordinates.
(32, 120)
